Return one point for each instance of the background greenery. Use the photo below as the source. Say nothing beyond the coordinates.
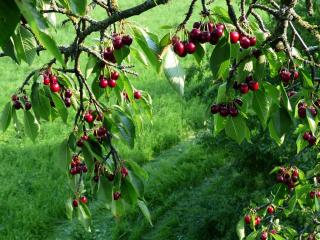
(198, 184)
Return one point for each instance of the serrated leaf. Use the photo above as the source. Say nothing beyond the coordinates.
(144, 209)
(240, 229)
(139, 56)
(220, 59)
(32, 127)
(40, 103)
(10, 17)
(78, 6)
(235, 128)
(6, 116)
(25, 45)
(173, 71)
(199, 53)
(60, 106)
(261, 106)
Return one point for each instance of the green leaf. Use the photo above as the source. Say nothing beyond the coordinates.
(32, 127)
(166, 40)
(173, 71)
(139, 171)
(236, 128)
(9, 50)
(199, 53)
(291, 205)
(121, 54)
(285, 98)
(79, 6)
(39, 25)
(128, 192)
(147, 46)
(60, 106)
(240, 229)
(6, 116)
(279, 124)
(277, 237)
(261, 106)
(220, 59)
(69, 208)
(10, 16)
(313, 123)
(307, 79)
(91, 63)
(144, 209)
(125, 125)
(25, 45)
(84, 216)
(64, 156)
(252, 236)
(139, 56)
(40, 103)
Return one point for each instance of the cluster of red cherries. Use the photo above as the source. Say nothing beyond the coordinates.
(287, 75)
(119, 41)
(314, 194)
(249, 84)
(288, 176)
(67, 97)
(83, 199)
(225, 109)
(52, 80)
(17, 103)
(308, 136)
(257, 221)
(201, 33)
(302, 110)
(244, 41)
(111, 81)
(76, 166)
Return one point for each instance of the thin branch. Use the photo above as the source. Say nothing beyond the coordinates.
(188, 15)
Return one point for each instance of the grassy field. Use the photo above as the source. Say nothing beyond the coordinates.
(194, 192)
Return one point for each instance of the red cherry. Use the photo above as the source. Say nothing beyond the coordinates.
(296, 75)
(112, 83)
(220, 25)
(218, 32)
(53, 79)
(67, 102)
(115, 75)
(190, 47)
(270, 210)
(117, 42)
(197, 25)
(75, 203)
(214, 38)
(127, 40)
(285, 76)
(254, 86)
(302, 112)
(215, 108)
(244, 42)
(205, 37)
(253, 41)
(313, 111)
(234, 37)
(273, 231)
(247, 219)
(264, 236)
(312, 140)
(124, 172)
(55, 87)
(257, 221)
(73, 171)
(233, 111)
(85, 168)
(46, 80)
(244, 88)
(210, 26)
(110, 177)
(137, 95)
(306, 136)
(312, 194)
(84, 199)
(318, 194)
(28, 105)
(195, 34)
(102, 131)
(109, 56)
(103, 83)
(88, 117)
(116, 195)
(224, 111)
(179, 49)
